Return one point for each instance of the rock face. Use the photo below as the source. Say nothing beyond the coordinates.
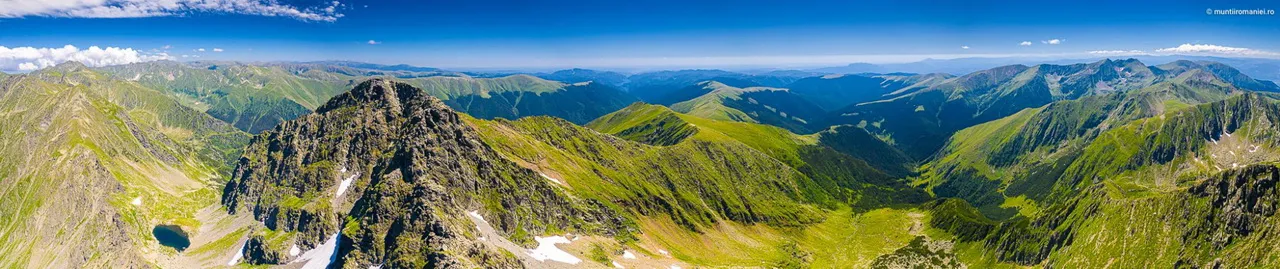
(394, 171)
(1241, 201)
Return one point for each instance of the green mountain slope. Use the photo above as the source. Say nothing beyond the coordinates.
(1187, 186)
(919, 122)
(251, 97)
(90, 165)
(771, 106)
(1021, 155)
(498, 98)
(257, 97)
(834, 169)
(526, 176)
(837, 91)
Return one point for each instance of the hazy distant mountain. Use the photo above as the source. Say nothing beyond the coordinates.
(660, 87)
(837, 91)
(584, 75)
(516, 96)
(398, 67)
(1265, 69)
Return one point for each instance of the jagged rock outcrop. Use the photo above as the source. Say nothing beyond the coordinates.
(1240, 202)
(394, 173)
(922, 252)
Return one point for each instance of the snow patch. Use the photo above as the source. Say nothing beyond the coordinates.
(626, 254)
(137, 201)
(346, 183)
(557, 181)
(547, 250)
(664, 252)
(321, 256)
(616, 265)
(239, 254)
(475, 215)
(673, 266)
(293, 251)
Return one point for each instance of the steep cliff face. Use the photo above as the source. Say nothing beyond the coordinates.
(393, 173)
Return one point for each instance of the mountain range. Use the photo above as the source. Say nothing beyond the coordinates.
(1107, 163)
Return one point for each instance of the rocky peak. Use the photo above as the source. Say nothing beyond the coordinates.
(69, 66)
(398, 171)
(382, 93)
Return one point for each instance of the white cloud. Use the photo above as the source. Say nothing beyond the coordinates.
(200, 49)
(964, 47)
(1054, 41)
(1025, 43)
(166, 47)
(1118, 52)
(217, 50)
(372, 42)
(1216, 50)
(155, 8)
(30, 58)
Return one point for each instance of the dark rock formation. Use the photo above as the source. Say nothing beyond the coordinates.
(416, 169)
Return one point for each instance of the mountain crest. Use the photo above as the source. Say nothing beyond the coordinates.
(383, 93)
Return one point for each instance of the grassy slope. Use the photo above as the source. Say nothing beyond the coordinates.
(691, 180)
(920, 122)
(1022, 155)
(251, 97)
(1150, 193)
(91, 146)
(772, 106)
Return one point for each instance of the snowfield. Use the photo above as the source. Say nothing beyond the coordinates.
(547, 250)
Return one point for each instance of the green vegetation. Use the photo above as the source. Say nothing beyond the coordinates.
(772, 106)
(95, 163)
(578, 103)
(1106, 164)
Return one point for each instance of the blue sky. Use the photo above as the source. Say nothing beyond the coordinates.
(472, 34)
